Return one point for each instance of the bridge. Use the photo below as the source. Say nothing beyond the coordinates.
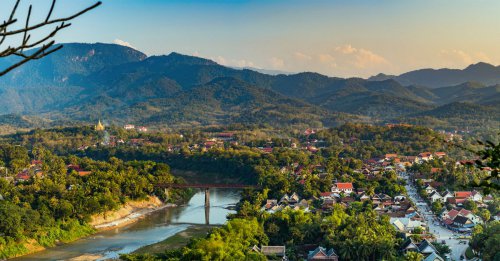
(207, 188)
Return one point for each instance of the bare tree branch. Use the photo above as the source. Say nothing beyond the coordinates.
(45, 47)
(33, 27)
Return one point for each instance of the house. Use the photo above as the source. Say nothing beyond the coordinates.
(272, 251)
(384, 197)
(456, 201)
(436, 170)
(409, 245)
(449, 214)
(347, 200)
(445, 195)
(308, 132)
(345, 187)
(226, 136)
(406, 224)
(376, 199)
(83, 173)
(429, 189)
(468, 214)
(284, 199)
(326, 195)
(433, 257)
(303, 204)
(142, 129)
(312, 149)
(22, 176)
(488, 199)
(435, 196)
(294, 198)
(328, 203)
(36, 163)
(390, 156)
(463, 194)
(399, 198)
(321, 253)
(463, 222)
(270, 203)
(425, 156)
(412, 159)
(439, 154)
(476, 196)
(129, 127)
(364, 197)
(267, 149)
(425, 247)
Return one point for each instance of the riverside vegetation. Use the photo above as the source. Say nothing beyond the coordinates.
(55, 204)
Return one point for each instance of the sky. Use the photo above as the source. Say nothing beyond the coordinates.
(351, 38)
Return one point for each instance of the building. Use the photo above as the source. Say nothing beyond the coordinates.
(435, 196)
(321, 253)
(439, 154)
(345, 187)
(129, 127)
(99, 126)
(425, 156)
(142, 129)
(429, 189)
(272, 251)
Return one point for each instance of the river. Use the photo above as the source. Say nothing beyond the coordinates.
(153, 228)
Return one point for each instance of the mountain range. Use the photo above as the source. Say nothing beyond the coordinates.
(84, 82)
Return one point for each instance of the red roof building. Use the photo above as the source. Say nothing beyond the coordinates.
(345, 187)
(463, 194)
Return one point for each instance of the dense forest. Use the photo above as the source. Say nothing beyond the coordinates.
(55, 202)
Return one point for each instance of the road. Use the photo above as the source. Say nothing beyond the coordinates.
(439, 231)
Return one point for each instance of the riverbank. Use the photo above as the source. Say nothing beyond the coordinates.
(128, 213)
(179, 240)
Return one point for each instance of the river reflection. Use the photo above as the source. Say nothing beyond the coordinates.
(151, 229)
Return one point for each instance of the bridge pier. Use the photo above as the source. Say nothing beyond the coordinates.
(207, 215)
(207, 197)
(207, 206)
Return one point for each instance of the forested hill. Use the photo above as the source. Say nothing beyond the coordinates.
(84, 82)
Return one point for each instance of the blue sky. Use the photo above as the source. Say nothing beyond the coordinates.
(337, 38)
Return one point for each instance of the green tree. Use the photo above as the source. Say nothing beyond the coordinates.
(414, 256)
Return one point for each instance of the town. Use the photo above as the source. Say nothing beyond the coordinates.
(433, 219)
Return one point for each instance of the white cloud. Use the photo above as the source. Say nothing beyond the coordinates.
(302, 56)
(345, 49)
(366, 58)
(220, 60)
(326, 58)
(344, 60)
(123, 43)
(242, 63)
(459, 58)
(277, 63)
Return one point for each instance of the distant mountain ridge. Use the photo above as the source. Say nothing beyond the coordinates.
(481, 72)
(84, 82)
